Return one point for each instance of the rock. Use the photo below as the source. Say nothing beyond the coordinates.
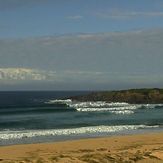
(133, 96)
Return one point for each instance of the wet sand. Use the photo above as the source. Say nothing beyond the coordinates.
(144, 148)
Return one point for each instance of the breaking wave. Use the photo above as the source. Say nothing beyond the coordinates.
(7, 135)
(73, 106)
(99, 106)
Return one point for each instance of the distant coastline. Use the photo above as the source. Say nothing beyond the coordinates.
(132, 96)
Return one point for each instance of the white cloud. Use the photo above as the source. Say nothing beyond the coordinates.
(73, 72)
(24, 74)
(83, 59)
(127, 15)
(14, 75)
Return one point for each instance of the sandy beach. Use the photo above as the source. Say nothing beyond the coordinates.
(144, 148)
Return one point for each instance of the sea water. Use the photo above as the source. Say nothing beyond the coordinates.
(33, 117)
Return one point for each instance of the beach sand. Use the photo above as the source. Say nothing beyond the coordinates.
(144, 148)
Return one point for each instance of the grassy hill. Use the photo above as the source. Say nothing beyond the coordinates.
(133, 96)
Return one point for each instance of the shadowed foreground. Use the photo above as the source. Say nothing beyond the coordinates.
(147, 148)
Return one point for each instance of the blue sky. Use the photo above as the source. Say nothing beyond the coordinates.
(22, 18)
(80, 44)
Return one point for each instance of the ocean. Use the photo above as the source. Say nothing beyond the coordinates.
(43, 116)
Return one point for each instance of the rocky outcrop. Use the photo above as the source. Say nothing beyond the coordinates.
(133, 96)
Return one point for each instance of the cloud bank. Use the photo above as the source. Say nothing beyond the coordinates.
(128, 14)
(75, 17)
(20, 74)
(85, 61)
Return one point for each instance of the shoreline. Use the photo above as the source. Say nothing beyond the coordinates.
(62, 138)
(120, 148)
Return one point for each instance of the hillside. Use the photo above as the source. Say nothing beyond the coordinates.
(133, 96)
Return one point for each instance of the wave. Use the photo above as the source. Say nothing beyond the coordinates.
(6, 135)
(30, 105)
(101, 106)
(126, 109)
(88, 103)
(37, 110)
(6, 110)
(67, 101)
(69, 105)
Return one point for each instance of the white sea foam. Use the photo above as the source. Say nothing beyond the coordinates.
(151, 106)
(86, 104)
(6, 135)
(117, 110)
(67, 101)
(98, 106)
(122, 112)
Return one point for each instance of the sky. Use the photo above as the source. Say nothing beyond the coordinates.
(81, 44)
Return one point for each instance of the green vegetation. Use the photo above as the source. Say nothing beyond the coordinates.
(151, 96)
